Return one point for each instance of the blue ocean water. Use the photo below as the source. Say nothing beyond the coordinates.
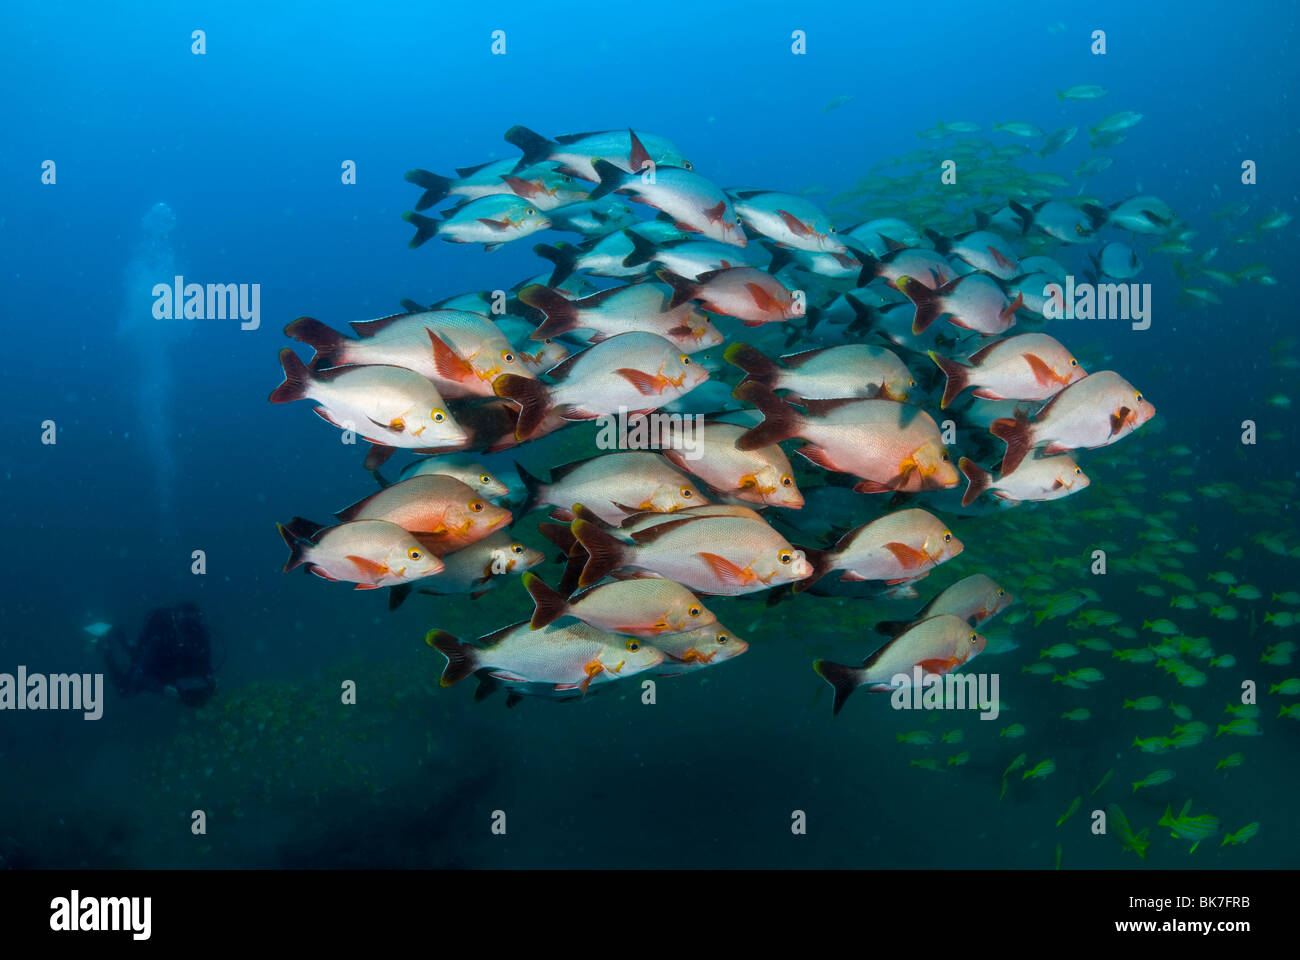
(166, 443)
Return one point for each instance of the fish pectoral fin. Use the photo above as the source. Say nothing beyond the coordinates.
(1042, 372)
(368, 568)
(795, 225)
(644, 382)
(447, 362)
(938, 665)
(496, 224)
(909, 557)
(1118, 419)
(728, 572)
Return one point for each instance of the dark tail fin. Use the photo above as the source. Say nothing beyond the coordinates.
(758, 367)
(611, 178)
(683, 289)
(398, 594)
(460, 656)
(297, 378)
(326, 341)
(780, 422)
(1015, 432)
(864, 317)
(435, 187)
(561, 314)
(425, 228)
(941, 243)
(563, 255)
(870, 268)
(550, 606)
(534, 146)
(643, 250)
(823, 561)
(1024, 213)
(958, 377)
(605, 552)
(532, 486)
(978, 480)
(559, 534)
(927, 303)
(843, 679)
(533, 400)
(295, 543)
(1096, 215)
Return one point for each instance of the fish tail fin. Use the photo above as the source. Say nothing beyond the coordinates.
(297, 378)
(397, 595)
(611, 178)
(435, 187)
(605, 552)
(958, 375)
(532, 488)
(559, 534)
(325, 340)
(1024, 214)
(643, 250)
(533, 399)
(978, 480)
(758, 367)
(548, 605)
(683, 289)
(563, 255)
(864, 316)
(297, 534)
(927, 303)
(780, 421)
(842, 678)
(870, 268)
(561, 314)
(460, 656)
(1096, 215)
(822, 562)
(1015, 432)
(425, 228)
(534, 146)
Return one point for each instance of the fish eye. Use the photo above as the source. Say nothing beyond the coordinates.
(516, 548)
(1077, 471)
(567, 179)
(1001, 592)
(973, 637)
(413, 554)
(687, 493)
(438, 416)
(693, 611)
(476, 506)
(944, 456)
(485, 479)
(686, 360)
(529, 212)
(911, 381)
(687, 165)
(722, 638)
(787, 480)
(1139, 396)
(947, 537)
(1074, 362)
(830, 229)
(507, 356)
(633, 646)
(785, 556)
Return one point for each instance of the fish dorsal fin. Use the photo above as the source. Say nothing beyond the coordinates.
(565, 366)
(745, 194)
(496, 636)
(819, 408)
(891, 245)
(564, 469)
(795, 360)
(651, 534)
(463, 172)
(575, 137)
(368, 328)
(639, 156)
(597, 298)
(978, 356)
